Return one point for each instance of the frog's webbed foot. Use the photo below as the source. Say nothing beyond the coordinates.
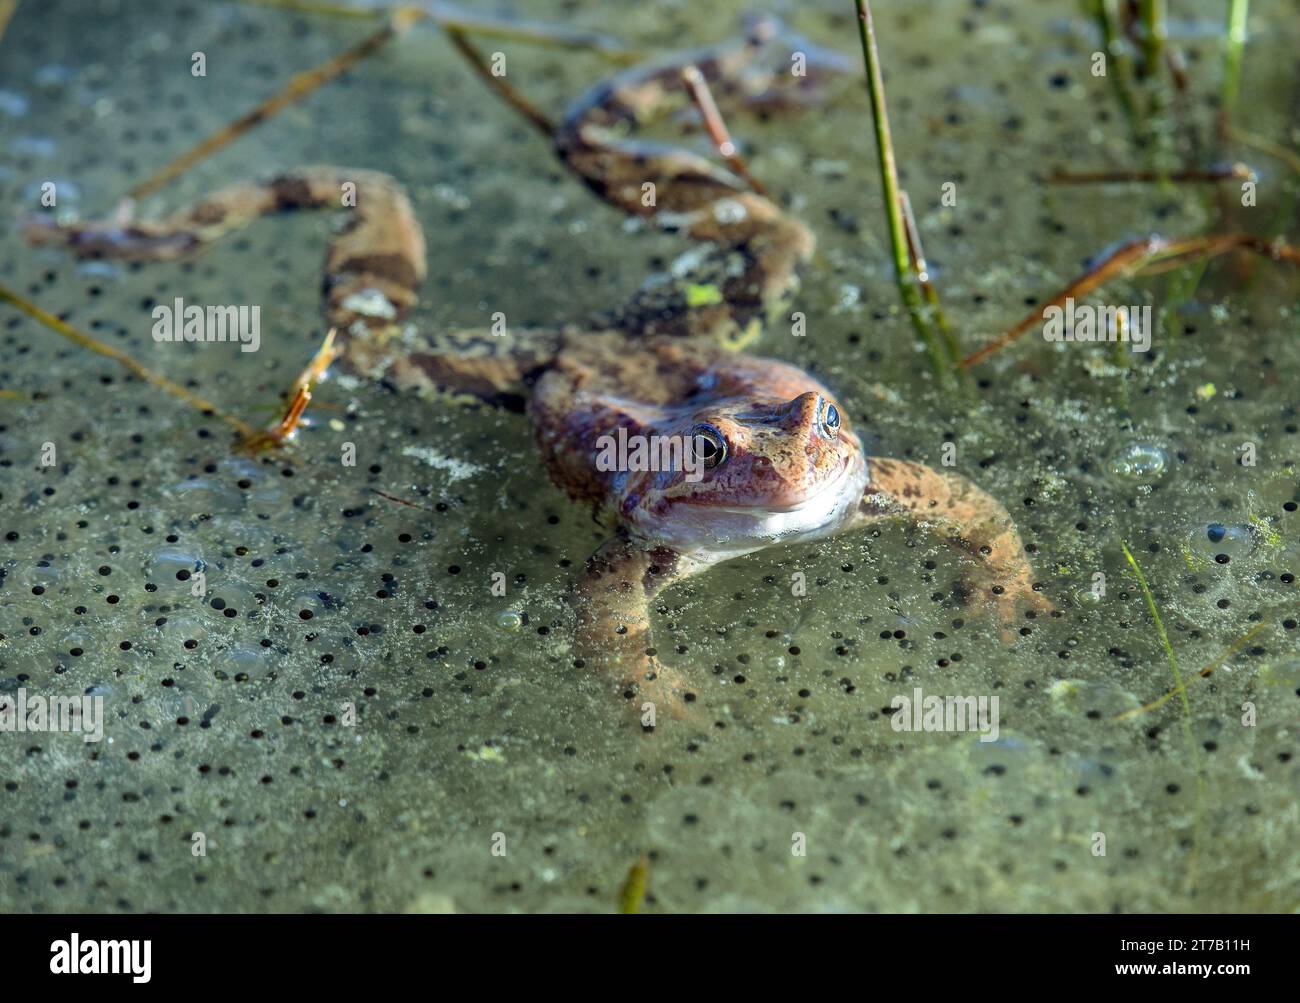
(612, 600)
(969, 519)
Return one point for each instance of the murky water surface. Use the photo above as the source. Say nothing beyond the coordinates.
(228, 715)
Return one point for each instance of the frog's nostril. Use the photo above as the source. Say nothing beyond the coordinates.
(803, 407)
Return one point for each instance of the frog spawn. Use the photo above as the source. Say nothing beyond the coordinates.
(272, 777)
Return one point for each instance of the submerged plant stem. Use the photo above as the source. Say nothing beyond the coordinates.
(1282, 153)
(1105, 18)
(1160, 628)
(86, 341)
(916, 253)
(1225, 172)
(1155, 30)
(298, 87)
(632, 894)
(1181, 689)
(504, 90)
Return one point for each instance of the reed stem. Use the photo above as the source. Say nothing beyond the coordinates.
(1238, 15)
(889, 185)
(1155, 31)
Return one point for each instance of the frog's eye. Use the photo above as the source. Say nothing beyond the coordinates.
(829, 425)
(709, 444)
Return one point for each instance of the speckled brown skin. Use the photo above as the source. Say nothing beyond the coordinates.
(756, 249)
(784, 480)
(660, 366)
(381, 248)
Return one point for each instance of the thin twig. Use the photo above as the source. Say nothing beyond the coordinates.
(1181, 688)
(399, 501)
(62, 327)
(318, 7)
(449, 16)
(715, 125)
(298, 87)
(1226, 172)
(506, 92)
(1132, 256)
(1227, 653)
(299, 397)
(7, 9)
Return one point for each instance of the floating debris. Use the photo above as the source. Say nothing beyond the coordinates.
(457, 470)
(632, 895)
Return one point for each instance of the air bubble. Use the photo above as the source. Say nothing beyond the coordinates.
(1140, 461)
(510, 620)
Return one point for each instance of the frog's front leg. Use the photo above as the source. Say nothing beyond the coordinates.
(969, 518)
(612, 599)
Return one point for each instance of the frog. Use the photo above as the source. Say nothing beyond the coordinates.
(766, 454)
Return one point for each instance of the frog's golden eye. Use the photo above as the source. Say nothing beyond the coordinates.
(709, 444)
(829, 423)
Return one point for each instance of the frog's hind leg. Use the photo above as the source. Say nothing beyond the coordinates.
(373, 267)
(725, 292)
(373, 270)
(498, 367)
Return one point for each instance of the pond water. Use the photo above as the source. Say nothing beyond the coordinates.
(483, 770)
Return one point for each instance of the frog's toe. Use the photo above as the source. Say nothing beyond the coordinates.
(1008, 597)
(661, 692)
(1016, 602)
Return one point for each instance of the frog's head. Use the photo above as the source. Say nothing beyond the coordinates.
(756, 473)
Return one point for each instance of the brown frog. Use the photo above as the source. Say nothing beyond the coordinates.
(765, 454)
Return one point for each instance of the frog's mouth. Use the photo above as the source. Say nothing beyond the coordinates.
(764, 523)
